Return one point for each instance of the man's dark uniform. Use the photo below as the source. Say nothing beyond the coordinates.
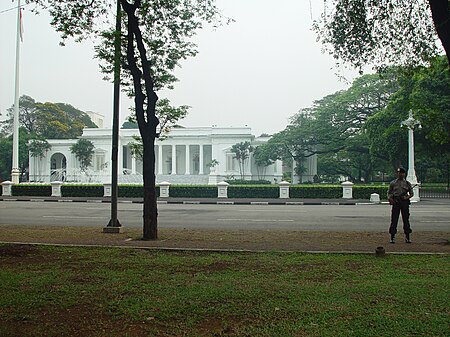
(398, 193)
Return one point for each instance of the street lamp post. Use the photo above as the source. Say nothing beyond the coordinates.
(411, 123)
(114, 225)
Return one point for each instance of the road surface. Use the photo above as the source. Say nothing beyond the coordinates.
(424, 216)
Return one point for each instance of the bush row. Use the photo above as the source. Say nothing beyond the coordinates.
(31, 190)
(205, 191)
(254, 191)
(248, 182)
(364, 192)
(193, 191)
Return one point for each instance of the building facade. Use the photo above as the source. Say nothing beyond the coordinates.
(184, 156)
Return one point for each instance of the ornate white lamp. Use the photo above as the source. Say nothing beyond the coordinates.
(411, 123)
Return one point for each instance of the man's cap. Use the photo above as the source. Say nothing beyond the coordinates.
(401, 169)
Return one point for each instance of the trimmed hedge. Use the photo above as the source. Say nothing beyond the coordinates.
(32, 190)
(247, 182)
(206, 191)
(133, 191)
(193, 191)
(254, 191)
(364, 191)
(315, 191)
(80, 190)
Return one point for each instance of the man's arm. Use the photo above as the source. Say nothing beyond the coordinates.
(410, 190)
(390, 193)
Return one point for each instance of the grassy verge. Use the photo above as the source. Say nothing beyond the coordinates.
(49, 291)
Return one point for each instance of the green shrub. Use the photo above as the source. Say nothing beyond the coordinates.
(82, 190)
(32, 190)
(193, 191)
(315, 191)
(248, 182)
(133, 191)
(364, 191)
(254, 191)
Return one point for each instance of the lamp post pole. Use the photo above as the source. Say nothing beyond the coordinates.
(114, 225)
(411, 123)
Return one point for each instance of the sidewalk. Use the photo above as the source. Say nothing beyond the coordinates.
(216, 201)
(228, 240)
(203, 201)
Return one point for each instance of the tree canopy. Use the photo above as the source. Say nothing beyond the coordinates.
(356, 132)
(83, 150)
(48, 120)
(383, 32)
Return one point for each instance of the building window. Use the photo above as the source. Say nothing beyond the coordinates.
(124, 156)
(99, 162)
(231, 162)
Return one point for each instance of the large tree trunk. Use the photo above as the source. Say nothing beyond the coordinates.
(145, 115)
(440, 12)
(150, 230)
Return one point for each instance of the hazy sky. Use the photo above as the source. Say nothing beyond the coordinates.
(258, 71)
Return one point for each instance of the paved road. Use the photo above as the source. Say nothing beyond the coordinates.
(424, 217)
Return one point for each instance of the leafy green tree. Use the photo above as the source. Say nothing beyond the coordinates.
(262, 157)
(55, 123)
(38, 148)
(27, 116)
(401, 32)
(48, 120)
(6, 155)
(75, 114)
(425, 90)
(167, 114)
(333, 127)
(242, 152)
(83, 150)
(156, 38)
(430, 100)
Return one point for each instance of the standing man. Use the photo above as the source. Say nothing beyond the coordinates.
(399, 193)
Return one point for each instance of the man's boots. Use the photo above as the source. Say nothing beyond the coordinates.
(392, 239)
(407, 239)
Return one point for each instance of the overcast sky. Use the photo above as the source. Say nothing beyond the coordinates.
(257, 71)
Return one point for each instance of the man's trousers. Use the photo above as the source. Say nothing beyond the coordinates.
(400, 206)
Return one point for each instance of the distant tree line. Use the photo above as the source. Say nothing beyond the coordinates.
(356, 132)
(37, 123)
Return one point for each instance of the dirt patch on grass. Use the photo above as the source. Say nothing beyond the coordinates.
(80, 320)
(264, 240)
(13, 254)
(16, 250)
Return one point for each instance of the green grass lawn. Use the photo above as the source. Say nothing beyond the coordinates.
(57, 291)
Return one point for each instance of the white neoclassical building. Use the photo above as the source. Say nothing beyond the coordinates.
(183, 157)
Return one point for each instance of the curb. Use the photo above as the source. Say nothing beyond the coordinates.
(199, 202)
(219, 250)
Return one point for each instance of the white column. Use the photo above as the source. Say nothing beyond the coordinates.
(56, 188)
(160, 159)
(201, 160)
(412, 178)
(284, 190)
(411, 170)
(347, 190)
(188, 160)
(133, 165)
(164, 189)
(174, 159)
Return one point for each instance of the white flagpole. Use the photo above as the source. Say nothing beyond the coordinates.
(15, 172)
